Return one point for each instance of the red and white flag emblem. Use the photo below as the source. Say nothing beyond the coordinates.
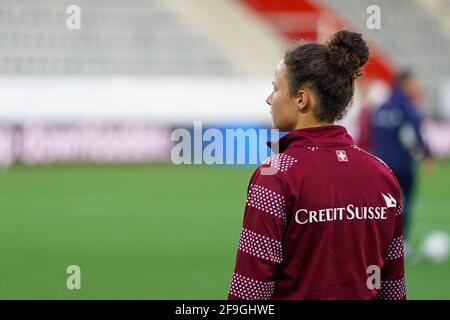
(341, 155)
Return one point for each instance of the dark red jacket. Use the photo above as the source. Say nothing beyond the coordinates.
(323, 220)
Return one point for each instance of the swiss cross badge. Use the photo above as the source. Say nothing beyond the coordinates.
(341, 155)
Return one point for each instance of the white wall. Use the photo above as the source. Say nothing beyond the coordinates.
(157, 100)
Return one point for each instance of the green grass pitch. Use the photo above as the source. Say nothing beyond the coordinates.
(153, 232)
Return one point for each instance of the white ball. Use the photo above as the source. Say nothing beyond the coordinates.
(435, 247)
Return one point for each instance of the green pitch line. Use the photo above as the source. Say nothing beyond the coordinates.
(152, 232)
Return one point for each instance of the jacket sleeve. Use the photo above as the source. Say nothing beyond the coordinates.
(393, 285)
(260, 247)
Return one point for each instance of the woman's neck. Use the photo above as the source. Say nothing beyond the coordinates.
(307, 121)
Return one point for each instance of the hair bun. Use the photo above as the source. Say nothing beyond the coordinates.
(348, 52)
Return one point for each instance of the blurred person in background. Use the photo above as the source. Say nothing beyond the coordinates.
(397, 138)
(373, 93)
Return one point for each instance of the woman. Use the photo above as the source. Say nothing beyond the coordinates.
(325, 223)
(397, 136)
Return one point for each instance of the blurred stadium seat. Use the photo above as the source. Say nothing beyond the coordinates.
(116, 37)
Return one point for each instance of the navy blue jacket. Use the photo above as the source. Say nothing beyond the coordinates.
(396, 132)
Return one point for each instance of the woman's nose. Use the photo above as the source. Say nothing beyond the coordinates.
(269, 100)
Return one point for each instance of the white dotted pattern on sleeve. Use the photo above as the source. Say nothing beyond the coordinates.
(250, 289)
(392, 290)
(399, 210)
(266, 200)
(282, 162)
(395, 250)
(260, 246)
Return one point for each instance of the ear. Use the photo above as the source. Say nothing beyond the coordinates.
(302, 100)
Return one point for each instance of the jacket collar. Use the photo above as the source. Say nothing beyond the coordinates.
(324, 136)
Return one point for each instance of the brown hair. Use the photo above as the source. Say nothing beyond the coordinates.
(329, 70)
